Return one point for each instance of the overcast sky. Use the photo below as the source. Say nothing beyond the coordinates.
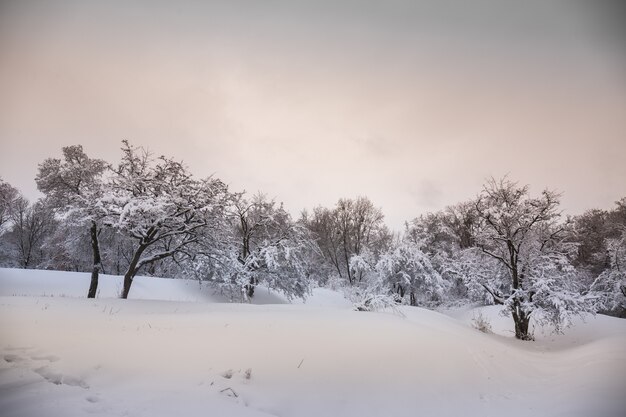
(411, 103)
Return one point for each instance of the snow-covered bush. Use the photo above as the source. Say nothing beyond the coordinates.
(481, 323)
(407, 271)
(372, 295)
(609, 287)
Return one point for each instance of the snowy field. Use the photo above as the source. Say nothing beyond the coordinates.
(175, 348)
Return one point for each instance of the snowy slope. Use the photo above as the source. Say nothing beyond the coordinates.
(64, 356)
(75, 284)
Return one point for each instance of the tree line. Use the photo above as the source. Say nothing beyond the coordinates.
(150, 215)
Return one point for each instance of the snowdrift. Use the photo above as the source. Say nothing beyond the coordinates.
(70, 356)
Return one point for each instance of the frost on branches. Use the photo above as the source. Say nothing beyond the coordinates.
(521, 234)
(610, 285)
(271, 248)
(402, 273)
(73, 186)
(410, 273)
(444, 238)
(160, 206)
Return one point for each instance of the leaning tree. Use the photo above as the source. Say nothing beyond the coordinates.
(159, 205)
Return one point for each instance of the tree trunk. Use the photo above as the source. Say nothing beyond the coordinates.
(400, 290)
(250, 287)
(95, 272)
(413, 299)
(522, 320)
(345, 256)
(520, 317)
(132, 271)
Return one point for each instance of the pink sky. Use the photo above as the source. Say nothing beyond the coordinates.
(413, 104)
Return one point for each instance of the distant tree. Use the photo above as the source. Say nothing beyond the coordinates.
(433, 234)
(610, 284)
(73, 186)
(522, 234)
(360, 224)
(9, 196)
(324, 227)
(447, 237)
(591, 231)
(462, 220)
(347, 230)
(159, 206)
(272, 248)
(30, 226)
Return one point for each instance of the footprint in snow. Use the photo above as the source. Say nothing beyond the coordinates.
(60, 379)
(13, 358)
(92, 399)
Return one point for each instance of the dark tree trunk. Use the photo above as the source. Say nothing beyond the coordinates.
(95, 272)
(250, 287)
(522, 320)
(413, 299)
(400, 290)
(350, 277)
(520, 317)
(132, 270)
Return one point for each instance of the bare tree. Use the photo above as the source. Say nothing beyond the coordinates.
(360, 224)
(8, 199)
(324, 226)
(31, 224)
(346, 230)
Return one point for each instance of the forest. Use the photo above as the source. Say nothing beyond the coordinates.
(149, 215)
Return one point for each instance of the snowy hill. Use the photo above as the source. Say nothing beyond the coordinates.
(176, 349)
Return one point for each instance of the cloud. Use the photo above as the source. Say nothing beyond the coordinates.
(410, 103)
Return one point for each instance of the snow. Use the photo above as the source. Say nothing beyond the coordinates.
(23, 282)
(176, 348)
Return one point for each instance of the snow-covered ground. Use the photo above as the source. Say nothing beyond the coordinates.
(175, 348)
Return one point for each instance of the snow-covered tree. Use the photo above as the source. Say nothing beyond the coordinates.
(408, 271)
(610, 285)
(160, 207)
(522, 234)
(73, 186)
(272, 248)
(447, 238)
(402, 272)
(373, 292)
